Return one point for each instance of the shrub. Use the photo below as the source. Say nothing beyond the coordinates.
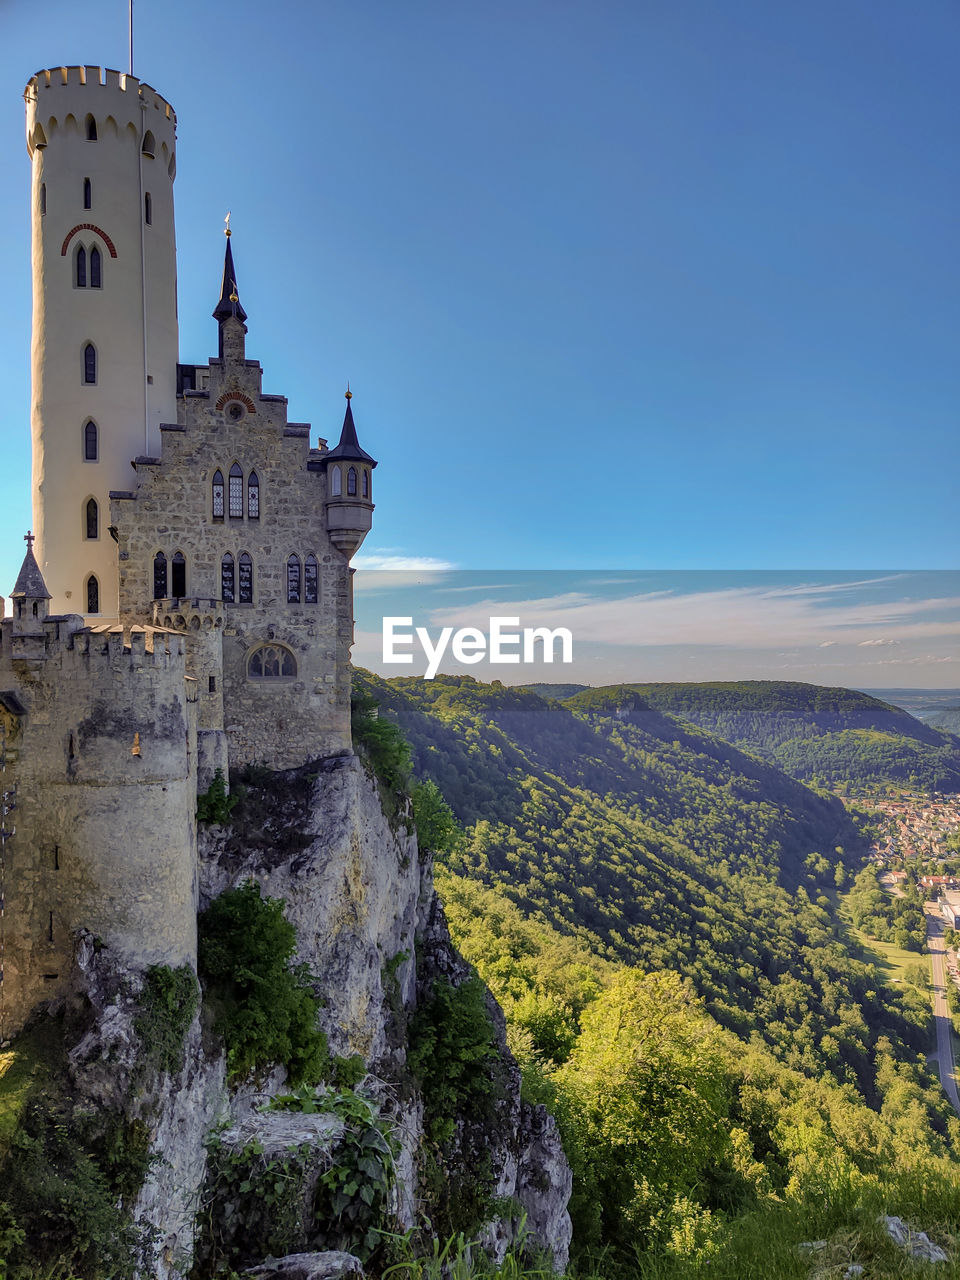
(167, 1005)
(215, 805)
(437, 828)
(381, 741)
(266, 1008)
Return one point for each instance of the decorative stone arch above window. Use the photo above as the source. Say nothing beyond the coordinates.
(272, 662)
(87, 226)
(236, 397)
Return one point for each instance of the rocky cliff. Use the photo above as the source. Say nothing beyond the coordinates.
(404, 1135)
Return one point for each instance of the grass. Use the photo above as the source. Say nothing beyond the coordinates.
(19, 1066)
(891, 960)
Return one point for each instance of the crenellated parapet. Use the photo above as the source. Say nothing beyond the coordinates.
(62, 98)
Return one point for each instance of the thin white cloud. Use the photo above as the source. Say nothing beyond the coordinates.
(400, 563)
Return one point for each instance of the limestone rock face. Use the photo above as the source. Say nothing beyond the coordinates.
(332, 1265)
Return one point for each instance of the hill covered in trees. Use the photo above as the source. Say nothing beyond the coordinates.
(816, 734)
(659, 846)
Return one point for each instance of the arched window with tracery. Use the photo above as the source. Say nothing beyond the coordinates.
(95, 268)
(271, 662)
(217, 487)
(87, 194)
(253, 496)
(89, 363)
(293, 580)
(245, 578)
(335, 483)
(352, 482)
(93, 594)
(81, 264)
(92, 519)
(236, 492)
(228, 579)
(159, 576)
(311, 580)
(91, 441)
(178, 575)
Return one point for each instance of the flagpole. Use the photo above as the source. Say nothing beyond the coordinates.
(130, 29)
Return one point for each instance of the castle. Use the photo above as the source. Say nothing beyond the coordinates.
(181, 617)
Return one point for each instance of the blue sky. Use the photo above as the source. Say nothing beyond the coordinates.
(632, 285)
(868, 630)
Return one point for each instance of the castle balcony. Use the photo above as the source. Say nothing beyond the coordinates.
(189, 613)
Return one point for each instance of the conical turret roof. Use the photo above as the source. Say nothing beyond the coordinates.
(229, 304)
(30, 583)
(348, 449)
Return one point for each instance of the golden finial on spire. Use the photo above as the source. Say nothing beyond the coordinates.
(348, 394)
(234, 296)
(227, 231)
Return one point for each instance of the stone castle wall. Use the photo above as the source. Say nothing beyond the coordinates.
(100, 747)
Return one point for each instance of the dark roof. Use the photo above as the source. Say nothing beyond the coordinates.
(226, 307)
(30, 581)
(348, 450)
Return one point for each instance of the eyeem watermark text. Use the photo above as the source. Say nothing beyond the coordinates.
(498, 645)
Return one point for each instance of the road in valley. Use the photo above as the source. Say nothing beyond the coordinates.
(941, 1014)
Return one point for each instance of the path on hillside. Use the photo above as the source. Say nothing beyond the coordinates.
(941, 1014)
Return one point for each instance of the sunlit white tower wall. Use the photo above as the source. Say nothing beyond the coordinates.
(104, 350)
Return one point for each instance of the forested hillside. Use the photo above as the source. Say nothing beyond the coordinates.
(813, 733)
(659, 846)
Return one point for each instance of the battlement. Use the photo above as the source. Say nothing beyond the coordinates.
(144, 646)
(194, 614)
(55, 95)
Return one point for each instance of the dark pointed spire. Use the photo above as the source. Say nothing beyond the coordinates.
(30, 583)
(229, 304)
(348, 449)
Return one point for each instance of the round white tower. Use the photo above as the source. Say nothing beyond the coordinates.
(104, 352)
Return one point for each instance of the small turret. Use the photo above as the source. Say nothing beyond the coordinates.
(349, 488)
(228, 313)
(31, 604)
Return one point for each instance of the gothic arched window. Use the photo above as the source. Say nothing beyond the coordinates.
(253, 496)
(218, 495)
(95, 277)
(87, 194)
(91, 443)
(335, 482)
(149, 147)
(236, 492)
(228, 579)
(245, 565)
(271, 662)
(159, 576)
(89, 363)
(311, 580)
(352, 482)
(81, 261)
(366, 483)
(178, 575)
(92, 519)
(147, 208)
(91, 126)
(93, 594)
(293, 580)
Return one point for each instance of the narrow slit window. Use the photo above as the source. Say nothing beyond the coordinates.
(87, 194)
(89, 363)
(311, 580)
(93, 594)
(95, 277)
(43, 198)
(228, 579)
(293, 580)
(352, 482)
(92, 519)
(91, 443)
(159, 576)
(178, 575)
(366, 483)
(218, 495)
(148, 208)
(81, 268)
(246, 578)
(253, 496)
(236, 492)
